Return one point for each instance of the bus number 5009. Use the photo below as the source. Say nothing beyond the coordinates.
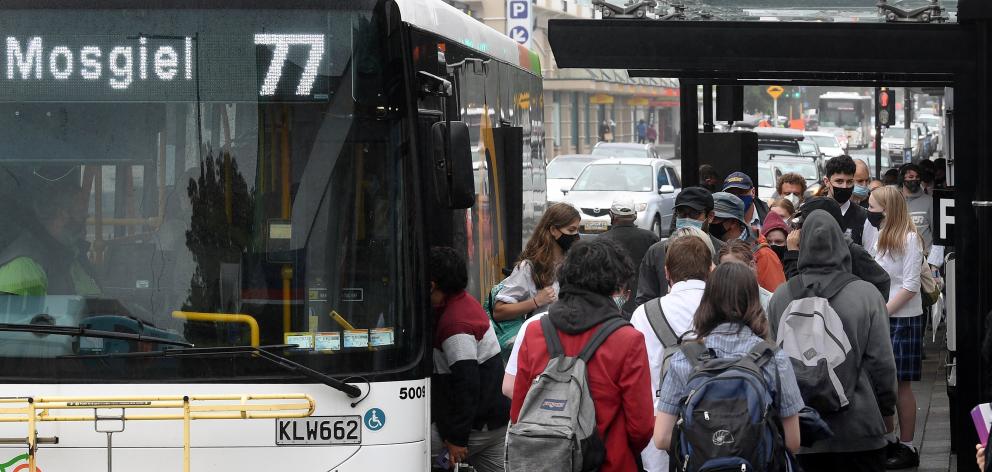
(410, 393)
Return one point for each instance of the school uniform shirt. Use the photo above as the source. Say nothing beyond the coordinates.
(511, 362)
(854, 218)
(904, 273)
(468, 372)
(731, 340)
(679, 307)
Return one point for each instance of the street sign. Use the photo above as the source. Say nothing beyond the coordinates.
(775, 91)
(943, 217)
(519, 21)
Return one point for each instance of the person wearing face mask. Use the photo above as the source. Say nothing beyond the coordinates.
(839, 182)
(775, 231)
(49, 257)
(862, 179)
(635, 240)
(791, 187)
(729, 224)
(740, 185)
(687, 268)
(693, 208)
(920, 204)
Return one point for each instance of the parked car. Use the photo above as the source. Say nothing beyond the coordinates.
(652, 184)
(790, 141)
(562, 171)
(894, 139)
(829, 144)
(781, 163)
(870, 160)
(604, 149)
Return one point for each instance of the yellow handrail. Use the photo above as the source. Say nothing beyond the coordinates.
(193, 407)
(222, 318)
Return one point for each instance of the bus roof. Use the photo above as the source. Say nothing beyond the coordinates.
(447, 21)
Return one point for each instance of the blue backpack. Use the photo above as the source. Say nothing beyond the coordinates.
(729, 421)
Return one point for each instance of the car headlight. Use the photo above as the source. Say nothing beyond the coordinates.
(642, 206)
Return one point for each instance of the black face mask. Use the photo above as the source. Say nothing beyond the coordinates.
(912, 185)
(778, 250)
(875, 218)
(842, 195)
(565, 241)
(718, 230)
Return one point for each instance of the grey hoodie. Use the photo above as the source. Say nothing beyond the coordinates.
(921, 210)
(823, 256)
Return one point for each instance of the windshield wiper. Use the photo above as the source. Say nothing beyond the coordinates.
(262, 351)
(76, 331)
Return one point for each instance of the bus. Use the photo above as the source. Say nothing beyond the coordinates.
(234, 202)
(848, 116)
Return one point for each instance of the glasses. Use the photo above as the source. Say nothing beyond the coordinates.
(684, 212)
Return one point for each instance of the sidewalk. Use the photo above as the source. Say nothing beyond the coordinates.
(933, 423)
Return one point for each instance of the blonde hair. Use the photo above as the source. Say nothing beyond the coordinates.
(693, 231)
(897, 223)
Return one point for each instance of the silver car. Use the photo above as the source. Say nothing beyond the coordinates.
(651, 184)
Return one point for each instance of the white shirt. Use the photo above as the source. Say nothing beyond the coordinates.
(904, 273)
(679, 307)
(511, 363)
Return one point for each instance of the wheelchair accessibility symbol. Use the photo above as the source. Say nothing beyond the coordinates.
(375, 419)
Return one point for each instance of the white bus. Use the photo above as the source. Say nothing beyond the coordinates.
(235, 174)
(848, 116)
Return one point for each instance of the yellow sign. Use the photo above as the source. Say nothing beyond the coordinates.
(601, 99)
(775, 91)
(523, 100)
(638, 102)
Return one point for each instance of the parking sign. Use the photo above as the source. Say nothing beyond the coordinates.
(519, 22)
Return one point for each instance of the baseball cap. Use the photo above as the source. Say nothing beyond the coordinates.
(697, 198)
(728, 206)
(738, 180)
(623, 208)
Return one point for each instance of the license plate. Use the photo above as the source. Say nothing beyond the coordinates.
(595, 226)
(319, 431)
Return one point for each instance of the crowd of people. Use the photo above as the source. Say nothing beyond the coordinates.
(817, 302)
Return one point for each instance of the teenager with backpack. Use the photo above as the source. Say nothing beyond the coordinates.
(469, 412)
(848, 375)
(899, 250)
(731, 398)
(664, 321)
(532, 287)
(582, 349)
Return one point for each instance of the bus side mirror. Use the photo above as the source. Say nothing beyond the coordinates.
(453, 164)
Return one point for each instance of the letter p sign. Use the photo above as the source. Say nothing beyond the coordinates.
(518, 9)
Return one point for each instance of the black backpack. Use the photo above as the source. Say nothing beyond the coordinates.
(729, 421)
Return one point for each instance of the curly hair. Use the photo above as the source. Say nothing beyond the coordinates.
(599, 265)
(790, 178)
(448, 270)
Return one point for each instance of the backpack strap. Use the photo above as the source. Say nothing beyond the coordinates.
(605, 330)
(762, 353)
(659, 323)
(551, 338)
(696, 353)
(799, 290)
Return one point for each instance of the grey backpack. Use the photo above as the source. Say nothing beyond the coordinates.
(812, 334)
(670, 341)
(556, 428)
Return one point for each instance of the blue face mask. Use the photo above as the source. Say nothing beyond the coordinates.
(861, 191)
(688, 223)
(748, 200)
(620, 300)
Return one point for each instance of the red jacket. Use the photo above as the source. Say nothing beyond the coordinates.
(770, 271)
(619, 381)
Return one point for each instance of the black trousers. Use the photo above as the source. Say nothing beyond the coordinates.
(861, 461)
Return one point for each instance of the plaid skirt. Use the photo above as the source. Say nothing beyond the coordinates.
(907, 346)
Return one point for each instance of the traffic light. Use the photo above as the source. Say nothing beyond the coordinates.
(886, 107)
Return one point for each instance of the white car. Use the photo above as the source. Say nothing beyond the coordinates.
(562, 171)
(651, 184)
(830, 146)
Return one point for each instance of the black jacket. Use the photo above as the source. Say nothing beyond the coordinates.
(636, 241)
(862, 265)
(651, 280)
(853, 222)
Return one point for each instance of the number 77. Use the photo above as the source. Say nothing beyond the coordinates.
(282, 42)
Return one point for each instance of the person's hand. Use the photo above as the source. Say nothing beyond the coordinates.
(792, 241)
(546, 296)
(980, 457)
(456, 453)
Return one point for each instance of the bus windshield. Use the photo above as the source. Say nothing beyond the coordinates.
(846, 114)
(218, 177)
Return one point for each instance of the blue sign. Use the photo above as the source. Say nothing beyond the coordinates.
(518, 9)
(520, 34)
(519, 21)
(375, 419)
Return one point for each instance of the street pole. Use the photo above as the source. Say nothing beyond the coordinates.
(878, 137)
(907, 117)
(775, 112)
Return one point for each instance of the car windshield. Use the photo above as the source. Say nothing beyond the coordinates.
(616, 151)
(765, 177)
(615, 178)
(894, 133)
(805, 169)
(825, 141)
(230, 185)
(567, 167)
